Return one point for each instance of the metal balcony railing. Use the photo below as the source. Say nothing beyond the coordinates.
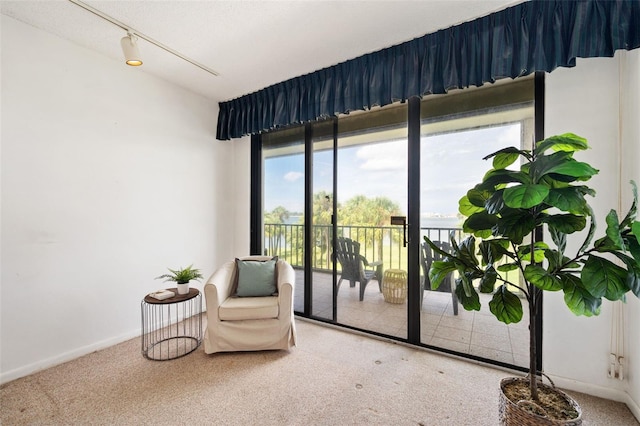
(383, 243)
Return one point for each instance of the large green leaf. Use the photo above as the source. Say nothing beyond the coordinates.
(543, 164)
(603, 278)
(569, 199)
(506, 306)
(468, 299)
(558, 261)
(510, 149)
(525, 196)
(605, 245)
(524, 252)
(559, 239)
(514, 224)
(466, 252)
(488, 280)
(478, 197)
(635, 227)
(613, 230)
(497, 178)
(506, 267)
(479, 221)
(577, 298)
(591, 233)
(566, 142)
(634, 247)
(573, 168)
(633, 273)
(566, 223)
(466, 208)
(493, 250)
(438, 271)
(495, 203)
(506, 157)
(541, 278)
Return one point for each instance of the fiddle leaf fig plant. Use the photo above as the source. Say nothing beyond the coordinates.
(506, 215)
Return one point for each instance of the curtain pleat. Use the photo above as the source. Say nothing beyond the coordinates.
(539, 35)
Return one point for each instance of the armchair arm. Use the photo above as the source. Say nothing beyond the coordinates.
(377, 265)
(286, 280)
(218, 287)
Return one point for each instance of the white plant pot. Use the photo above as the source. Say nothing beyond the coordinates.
(183, 288)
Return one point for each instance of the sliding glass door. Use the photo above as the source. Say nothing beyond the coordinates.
(371, 190)
(453, 146)
(283, 202)
(348, 202)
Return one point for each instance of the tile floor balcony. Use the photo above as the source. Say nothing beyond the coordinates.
(469, 332)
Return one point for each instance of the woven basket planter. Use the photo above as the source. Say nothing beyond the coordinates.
(394, 286)
(513, 414)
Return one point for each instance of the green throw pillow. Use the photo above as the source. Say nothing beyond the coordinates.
(256, 278)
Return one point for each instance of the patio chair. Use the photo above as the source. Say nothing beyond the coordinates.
(353, 265)
(427, 256)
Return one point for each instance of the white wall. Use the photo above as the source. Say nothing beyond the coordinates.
(587, 100)
(242, 190)
(109, 175)
(630, 138)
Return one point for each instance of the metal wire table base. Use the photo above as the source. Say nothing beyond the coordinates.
(171, 328)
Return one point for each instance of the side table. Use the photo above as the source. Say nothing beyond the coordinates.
(394, 286)
(172, 327)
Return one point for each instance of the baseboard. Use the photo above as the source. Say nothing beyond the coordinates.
(613, 394)
(618, 395)
(8, 376)
(634, 407)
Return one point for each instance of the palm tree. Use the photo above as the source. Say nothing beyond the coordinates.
(374, 212)
(274, 234)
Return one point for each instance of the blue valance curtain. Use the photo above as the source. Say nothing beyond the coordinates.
(538, 35)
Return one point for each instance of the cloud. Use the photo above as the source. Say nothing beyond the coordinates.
(385, 156)
(510, 135)
(293, 176)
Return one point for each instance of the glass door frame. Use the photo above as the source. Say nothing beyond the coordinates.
(413, 211)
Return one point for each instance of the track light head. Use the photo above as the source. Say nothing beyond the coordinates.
(130, 50)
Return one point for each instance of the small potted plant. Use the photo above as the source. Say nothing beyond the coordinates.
(506, 214)
(182, 277)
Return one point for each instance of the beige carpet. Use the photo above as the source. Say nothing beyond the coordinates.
(331, 378)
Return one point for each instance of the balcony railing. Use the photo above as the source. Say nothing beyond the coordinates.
(383, 243)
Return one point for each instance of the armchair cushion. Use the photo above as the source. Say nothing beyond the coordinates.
(256, 278)
(243, 308)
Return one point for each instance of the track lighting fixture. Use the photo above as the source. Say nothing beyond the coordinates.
(129, 46)
(130, 50)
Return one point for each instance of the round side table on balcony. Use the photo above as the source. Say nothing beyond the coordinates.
(172, 327)
(394, 286)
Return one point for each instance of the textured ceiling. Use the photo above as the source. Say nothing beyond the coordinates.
(252, 44)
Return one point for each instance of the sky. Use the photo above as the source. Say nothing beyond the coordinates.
(451, 164)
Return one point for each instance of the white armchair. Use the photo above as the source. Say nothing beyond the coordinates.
(249, 323)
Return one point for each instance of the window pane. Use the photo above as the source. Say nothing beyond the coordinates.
(283, 202)
(453, 145)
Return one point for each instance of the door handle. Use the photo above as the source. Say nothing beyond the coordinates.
(401, 220)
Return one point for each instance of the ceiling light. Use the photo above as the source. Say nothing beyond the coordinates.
(130, 50)
(130, 40)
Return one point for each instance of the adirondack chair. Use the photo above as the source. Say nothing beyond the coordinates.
(427, 256)
(353, 265)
